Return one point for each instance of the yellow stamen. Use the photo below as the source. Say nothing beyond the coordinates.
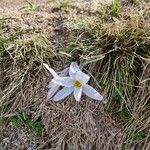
(77, 83)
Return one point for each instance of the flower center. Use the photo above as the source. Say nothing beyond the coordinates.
(77, 83)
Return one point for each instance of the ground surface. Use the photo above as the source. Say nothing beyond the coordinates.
(58, 32)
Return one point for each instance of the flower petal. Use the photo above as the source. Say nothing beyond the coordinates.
(52, 91)
(64, 72)
(50, 85)
(91, 92)
(77, 93)
(82, 77)
(54, 74)
(63, 93)
(73, 69)
(64, 81)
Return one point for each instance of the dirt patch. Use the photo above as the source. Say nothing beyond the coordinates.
(11, 7)
(17, 4)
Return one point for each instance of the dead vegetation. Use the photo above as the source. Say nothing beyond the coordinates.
(111, 43)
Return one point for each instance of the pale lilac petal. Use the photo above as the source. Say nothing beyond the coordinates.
(91, 92)
(50, 85)
(64, 81)
(54, 74)
(52, 91)
(63, 93)
(82, 77)
(77, 93)
(64, 72)
(73, 69)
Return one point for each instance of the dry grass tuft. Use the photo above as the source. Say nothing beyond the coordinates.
(79, 126)
(113, 49)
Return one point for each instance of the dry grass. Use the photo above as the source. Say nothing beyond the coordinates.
(112, 47)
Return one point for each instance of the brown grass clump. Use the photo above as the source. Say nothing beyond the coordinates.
(79, 126)
(110, 43)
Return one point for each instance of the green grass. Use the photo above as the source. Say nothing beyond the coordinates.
(115, 7)
(132, 1)
(65, 4)
(101, 10)
(20, 120)
(136, 136)
(3, 41)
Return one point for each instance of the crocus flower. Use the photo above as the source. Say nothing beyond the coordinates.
(53, 87)
(76, 83)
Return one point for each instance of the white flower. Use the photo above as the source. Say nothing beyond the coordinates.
(53, 87)
(76, 83)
